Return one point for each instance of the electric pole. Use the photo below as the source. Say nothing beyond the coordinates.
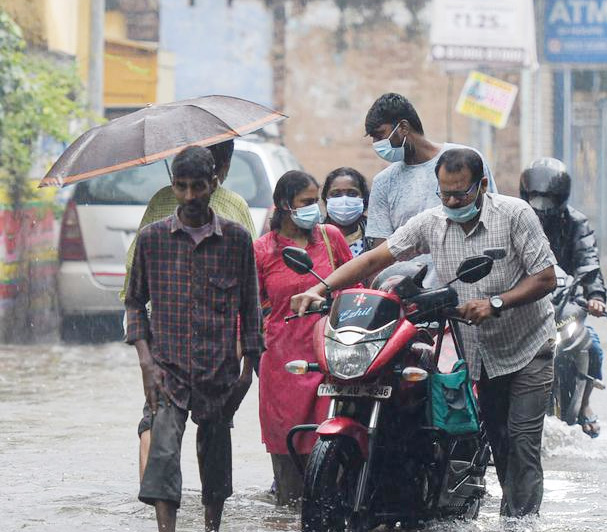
(97, 43)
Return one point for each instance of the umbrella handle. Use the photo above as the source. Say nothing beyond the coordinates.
(166, 163)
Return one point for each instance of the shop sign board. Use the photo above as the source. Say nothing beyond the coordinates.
(487, 32)
(575, 31)
(487, 98)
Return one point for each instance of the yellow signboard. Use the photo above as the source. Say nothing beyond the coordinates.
(487, 98)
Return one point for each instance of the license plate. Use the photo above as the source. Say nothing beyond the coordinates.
(355, 390)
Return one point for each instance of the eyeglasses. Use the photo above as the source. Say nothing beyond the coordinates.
(456, 194)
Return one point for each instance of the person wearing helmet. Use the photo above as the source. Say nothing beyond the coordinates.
(546, 186)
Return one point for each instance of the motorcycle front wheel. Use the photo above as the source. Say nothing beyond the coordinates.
(567, 393)
(329, 491)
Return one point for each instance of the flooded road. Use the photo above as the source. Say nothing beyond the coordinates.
(68, 454)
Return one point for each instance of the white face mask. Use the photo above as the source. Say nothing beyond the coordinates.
(466, 213)
(387, 152)
(345, 209)
(306, 217)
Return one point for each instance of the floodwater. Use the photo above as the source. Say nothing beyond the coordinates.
(68, 455)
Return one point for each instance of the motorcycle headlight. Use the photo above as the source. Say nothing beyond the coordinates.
(350, 361)
(566, 332)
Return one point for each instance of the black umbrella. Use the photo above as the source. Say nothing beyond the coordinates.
(156, 132)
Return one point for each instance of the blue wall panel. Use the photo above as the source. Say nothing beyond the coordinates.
(219, 49)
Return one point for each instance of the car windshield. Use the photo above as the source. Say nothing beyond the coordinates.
(248, 178)
(135, 186)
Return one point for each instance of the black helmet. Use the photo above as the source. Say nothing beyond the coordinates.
(546, 186)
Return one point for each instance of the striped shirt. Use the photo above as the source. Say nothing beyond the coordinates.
(506, 344)
(224, 202)
(197, 293)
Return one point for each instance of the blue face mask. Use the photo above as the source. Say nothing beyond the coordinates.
(345, 209)
(463, 214)
(306, 217)
(387, 152)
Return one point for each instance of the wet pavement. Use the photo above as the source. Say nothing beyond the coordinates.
(69, 450)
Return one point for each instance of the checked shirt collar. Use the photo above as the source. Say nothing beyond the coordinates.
(213, 226)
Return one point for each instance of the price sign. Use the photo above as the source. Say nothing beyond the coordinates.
(483, 31)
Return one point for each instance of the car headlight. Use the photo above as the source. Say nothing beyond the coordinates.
(350, 361)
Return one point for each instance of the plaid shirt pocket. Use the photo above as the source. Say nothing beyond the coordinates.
(224, 293)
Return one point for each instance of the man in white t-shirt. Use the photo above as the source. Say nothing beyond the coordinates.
(408, 186)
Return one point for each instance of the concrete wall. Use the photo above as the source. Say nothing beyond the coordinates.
(219, 49)
(339, 62)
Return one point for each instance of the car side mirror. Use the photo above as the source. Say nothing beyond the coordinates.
(297, 259)
(473, 269)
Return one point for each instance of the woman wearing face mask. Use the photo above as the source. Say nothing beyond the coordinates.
(346, 197)
(286, 400)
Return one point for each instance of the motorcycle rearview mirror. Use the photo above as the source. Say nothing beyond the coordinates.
(474, 269)
(495, 253)
(587, 274)
(300, 262)
(297, 259)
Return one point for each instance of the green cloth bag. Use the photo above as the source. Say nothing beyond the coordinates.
(452, 405)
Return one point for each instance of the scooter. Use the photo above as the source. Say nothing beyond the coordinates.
(402, 442)
(572, 345)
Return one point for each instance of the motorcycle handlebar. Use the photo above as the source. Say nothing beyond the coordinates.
(323, 308)
(462, 320)
(315, 308)
(584, 304)
(451, 314)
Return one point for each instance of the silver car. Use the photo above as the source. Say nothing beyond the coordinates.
(103, 214)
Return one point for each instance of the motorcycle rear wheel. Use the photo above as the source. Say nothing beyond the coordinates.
(329, 490)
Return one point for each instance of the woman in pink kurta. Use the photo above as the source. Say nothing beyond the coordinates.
(286, 400)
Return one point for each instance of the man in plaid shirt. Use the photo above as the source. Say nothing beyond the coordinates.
(511, 351)
(198, 272)
(226, 204)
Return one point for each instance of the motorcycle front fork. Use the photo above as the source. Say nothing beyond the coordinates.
(361, 486)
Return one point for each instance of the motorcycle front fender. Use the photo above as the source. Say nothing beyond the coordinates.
(346, 426)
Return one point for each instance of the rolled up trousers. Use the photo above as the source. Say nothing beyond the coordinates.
(513, 408)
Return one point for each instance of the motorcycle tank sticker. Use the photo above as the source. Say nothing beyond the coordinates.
(367, 311)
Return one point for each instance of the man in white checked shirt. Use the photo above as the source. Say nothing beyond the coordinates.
(510, 352)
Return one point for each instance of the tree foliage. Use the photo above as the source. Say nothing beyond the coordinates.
(38, 95)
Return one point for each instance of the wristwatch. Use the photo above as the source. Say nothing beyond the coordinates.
(497, 304)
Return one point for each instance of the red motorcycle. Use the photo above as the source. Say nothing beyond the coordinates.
(402, 441)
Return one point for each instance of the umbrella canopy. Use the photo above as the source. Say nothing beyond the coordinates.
(156, 132)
